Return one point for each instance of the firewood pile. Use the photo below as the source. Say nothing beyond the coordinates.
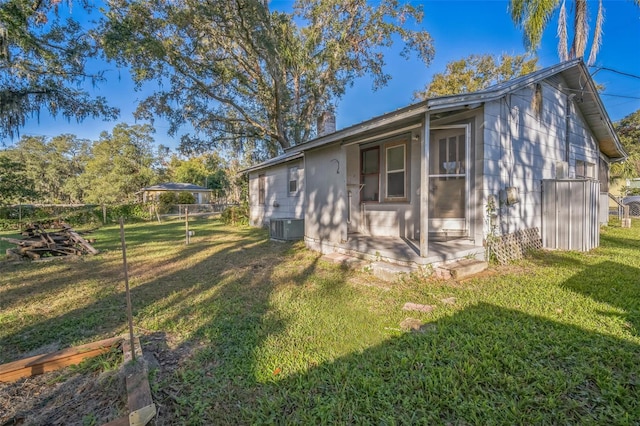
(38, 243)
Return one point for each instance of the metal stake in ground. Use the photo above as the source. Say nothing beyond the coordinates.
(126, 285)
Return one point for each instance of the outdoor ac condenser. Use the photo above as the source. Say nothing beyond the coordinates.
(287, 229)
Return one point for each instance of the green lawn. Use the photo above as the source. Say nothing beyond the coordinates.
(271, 333)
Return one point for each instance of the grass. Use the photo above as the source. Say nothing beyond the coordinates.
(277, 334)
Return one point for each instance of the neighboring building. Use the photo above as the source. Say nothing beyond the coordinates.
(361, 189)
(200, 193)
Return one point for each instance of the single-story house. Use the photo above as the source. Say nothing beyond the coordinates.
(201, 194)
(436, 180)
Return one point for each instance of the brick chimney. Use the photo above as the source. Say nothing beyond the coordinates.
(326, 123)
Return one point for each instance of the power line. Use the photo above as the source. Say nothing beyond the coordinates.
(616, 71)
(619, 96)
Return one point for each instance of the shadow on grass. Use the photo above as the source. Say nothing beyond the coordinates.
(483, 365)
(174, 288)
(216, 303)
(613, 283)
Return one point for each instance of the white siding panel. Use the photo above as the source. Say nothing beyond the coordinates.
(278, 202)
(530, 143)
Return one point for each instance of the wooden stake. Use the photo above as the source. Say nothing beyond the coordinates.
(126, 284)
(186, 224)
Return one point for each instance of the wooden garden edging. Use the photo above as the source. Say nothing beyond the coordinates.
(139, 401)
(39, 364)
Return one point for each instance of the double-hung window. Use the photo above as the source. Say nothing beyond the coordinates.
(396, 172)
(384, 172)
(261, 189)
(293, 181)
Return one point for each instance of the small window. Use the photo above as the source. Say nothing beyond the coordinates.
(293, 180)
(396, 171)
(261, 189)
(585, 169)
(537, 101)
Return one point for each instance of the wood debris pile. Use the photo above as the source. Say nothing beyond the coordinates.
(37, 243)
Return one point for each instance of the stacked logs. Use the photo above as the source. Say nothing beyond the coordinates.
(38, 243)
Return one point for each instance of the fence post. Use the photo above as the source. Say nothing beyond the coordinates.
(186, 225)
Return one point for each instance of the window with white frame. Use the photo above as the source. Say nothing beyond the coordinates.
(293, 180)
(396, 171)
(261, 189)
(384, 172)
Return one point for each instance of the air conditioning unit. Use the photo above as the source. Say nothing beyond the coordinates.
(287, 229)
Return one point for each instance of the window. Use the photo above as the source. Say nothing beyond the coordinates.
(448, 155)
(293, 180)
(370, 174)
(261, 182)
(585, 169)
(396, 171)
(392, 166)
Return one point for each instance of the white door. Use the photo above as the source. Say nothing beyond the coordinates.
(448, 189)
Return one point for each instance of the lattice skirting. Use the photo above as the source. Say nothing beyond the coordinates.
(506, 248)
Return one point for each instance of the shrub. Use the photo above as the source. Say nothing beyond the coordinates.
(236, 215)
(186, 198)
(167, 200)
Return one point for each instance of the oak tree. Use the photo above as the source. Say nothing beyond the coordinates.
(43, 56)
(240, 73)
(476, 72)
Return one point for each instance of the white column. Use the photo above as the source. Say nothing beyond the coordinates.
(424, 187)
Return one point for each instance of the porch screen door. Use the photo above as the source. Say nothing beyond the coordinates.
(448, 181)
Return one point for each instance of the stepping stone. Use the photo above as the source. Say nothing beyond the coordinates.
(411, 324)
(449, 301)
(416, 326)
(409, 306)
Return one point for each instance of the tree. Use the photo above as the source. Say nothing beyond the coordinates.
(476, 72)
(240, 73)
(120, 165)
(43, 58)
(53, 165)
(533, 16)
(207, 170)
(15, 185)
(628, 130)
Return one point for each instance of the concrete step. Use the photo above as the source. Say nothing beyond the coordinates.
(464, 268)
(387, 271)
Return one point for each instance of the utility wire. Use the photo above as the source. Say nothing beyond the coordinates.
(616, 71)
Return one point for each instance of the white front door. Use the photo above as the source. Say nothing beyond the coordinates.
(448, 188)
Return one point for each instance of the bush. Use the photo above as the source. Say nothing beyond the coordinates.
(186, 198)
(236, 215)
(167, 200)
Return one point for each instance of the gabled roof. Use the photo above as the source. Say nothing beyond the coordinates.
(176, 186)
(575, 80)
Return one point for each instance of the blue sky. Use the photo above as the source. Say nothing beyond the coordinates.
(459, 28)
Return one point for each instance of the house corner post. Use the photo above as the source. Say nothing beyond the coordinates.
(424, 187)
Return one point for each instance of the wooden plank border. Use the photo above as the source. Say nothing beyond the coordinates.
(139, 400)
(40, 364)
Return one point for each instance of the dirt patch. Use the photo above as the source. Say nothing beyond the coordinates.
(63, 397)
(75, 396)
